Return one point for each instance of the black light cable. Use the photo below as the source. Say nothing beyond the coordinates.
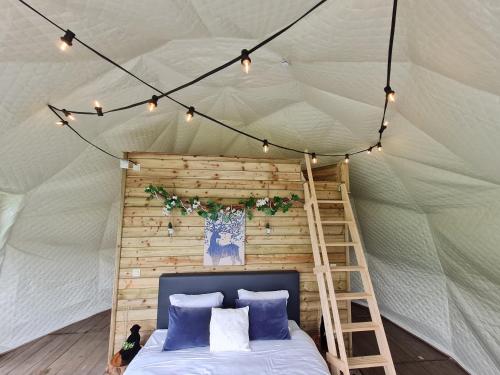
(243, 57)
(245, 61)
(65, 123)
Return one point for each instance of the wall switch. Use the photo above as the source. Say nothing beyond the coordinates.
(136, 272)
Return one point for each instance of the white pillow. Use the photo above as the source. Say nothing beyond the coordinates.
(197, 300)
(275, 294)
(229, 330)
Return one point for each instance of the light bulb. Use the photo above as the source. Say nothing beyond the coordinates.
(245, 60)
(386, 122)
(391, 95)
(66, 40)
(265, 146)
(379, 146)
(153, 103)
(369, 151)
(61, 123)
(190, 114)
(69, 115)
(314, 158)
(98, 108)
(346, 158)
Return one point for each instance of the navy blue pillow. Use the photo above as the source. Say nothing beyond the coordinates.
(268, 319)
(188, 327)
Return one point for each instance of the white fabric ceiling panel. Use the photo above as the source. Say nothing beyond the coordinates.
(427, 205)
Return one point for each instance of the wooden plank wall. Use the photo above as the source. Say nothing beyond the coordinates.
(144, 244)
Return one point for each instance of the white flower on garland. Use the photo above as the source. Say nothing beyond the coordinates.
(262, 202)
(189, 210)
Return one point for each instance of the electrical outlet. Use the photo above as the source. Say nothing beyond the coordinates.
(124, 164)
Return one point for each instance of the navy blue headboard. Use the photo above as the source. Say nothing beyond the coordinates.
(228, 283)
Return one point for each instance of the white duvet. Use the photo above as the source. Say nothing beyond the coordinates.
(297, 356)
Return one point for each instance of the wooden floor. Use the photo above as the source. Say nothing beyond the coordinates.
(411, 355)
(82, 349)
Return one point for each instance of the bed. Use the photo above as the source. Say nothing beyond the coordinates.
(296, 356)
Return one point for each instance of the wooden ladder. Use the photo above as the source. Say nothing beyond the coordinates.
(334, 329)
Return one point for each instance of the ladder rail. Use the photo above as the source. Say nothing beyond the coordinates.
(320, 276)
(367, 285)
(313, 206)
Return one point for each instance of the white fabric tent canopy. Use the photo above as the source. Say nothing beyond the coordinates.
(428, 205)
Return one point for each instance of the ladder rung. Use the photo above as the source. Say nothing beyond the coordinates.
(334, 268)
(326, 201)
(336, 221)
(351, 296)
(341, 244)
(359, 326)
(367, 361)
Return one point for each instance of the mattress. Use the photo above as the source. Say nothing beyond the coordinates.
(297, 356)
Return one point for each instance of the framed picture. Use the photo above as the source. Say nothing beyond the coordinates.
(225, 241)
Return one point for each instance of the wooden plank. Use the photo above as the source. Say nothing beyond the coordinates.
(180, 183)
(117, 265)
(205, 194)
(224, 165)
(144, 202)
(152, 282)
(167, 156)
(141, 211)
(190, 231)
(216, 174)
(197, 221)
(155, 272)
(199, 240)
(251, 249)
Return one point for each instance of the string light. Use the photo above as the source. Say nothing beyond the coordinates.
(386, 123)
(66, 40)
(69, 115)
(153, 103)
(265, 146)
(346, 160)
(190, 114)
(391, 95)
(61, 123)
(98, 108)
(369, 151)
(245, 60)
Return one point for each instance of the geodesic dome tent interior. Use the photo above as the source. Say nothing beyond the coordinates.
(428, 205)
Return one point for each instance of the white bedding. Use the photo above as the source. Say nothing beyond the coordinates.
(297, 356)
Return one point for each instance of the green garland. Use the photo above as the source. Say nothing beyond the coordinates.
(214, 210)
